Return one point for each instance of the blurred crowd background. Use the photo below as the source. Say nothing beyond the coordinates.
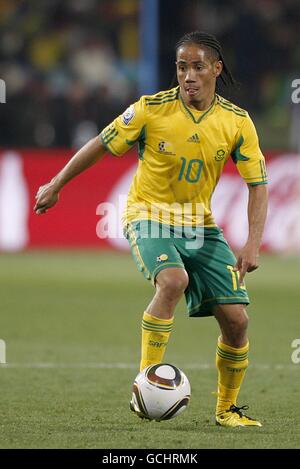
(71, 66)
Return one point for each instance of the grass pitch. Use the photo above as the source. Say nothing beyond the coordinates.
(71, 323)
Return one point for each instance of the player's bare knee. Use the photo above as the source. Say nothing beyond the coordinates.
(172, 282)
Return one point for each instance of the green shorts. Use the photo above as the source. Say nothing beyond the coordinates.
(203, 253)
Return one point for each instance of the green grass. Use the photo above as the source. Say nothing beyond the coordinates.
(66, 315)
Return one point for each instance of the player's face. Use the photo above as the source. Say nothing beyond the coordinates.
(196, 73)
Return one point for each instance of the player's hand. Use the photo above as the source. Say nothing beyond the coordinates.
(46, 197)
(248, 260)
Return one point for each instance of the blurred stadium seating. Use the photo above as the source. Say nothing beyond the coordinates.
(71, 66)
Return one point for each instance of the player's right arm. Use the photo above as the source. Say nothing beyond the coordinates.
(89, 154)
(116, 138)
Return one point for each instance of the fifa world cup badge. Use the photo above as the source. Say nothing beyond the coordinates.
(128, 115)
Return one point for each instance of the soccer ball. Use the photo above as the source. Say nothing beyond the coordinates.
(160, 392)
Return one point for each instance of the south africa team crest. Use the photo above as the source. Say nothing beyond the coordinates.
(219, 156)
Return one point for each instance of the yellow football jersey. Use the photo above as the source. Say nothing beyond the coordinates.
(182, 153)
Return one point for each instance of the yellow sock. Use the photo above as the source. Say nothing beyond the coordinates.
(231, 364)
(155, 336)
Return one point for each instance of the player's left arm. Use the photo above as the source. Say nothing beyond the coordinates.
(250, 163)
(248, 258)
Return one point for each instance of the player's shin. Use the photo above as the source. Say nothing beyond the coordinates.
(231, 364)
(155, 336)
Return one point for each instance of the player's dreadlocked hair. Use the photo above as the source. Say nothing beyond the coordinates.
(214, 47)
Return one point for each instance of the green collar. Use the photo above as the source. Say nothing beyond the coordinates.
(188, 110)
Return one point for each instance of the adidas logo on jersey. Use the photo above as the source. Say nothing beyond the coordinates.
(194, 139)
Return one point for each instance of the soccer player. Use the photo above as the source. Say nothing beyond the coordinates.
(185, 136)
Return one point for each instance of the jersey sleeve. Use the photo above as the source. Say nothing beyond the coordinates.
(125, 130)
(247, 155)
